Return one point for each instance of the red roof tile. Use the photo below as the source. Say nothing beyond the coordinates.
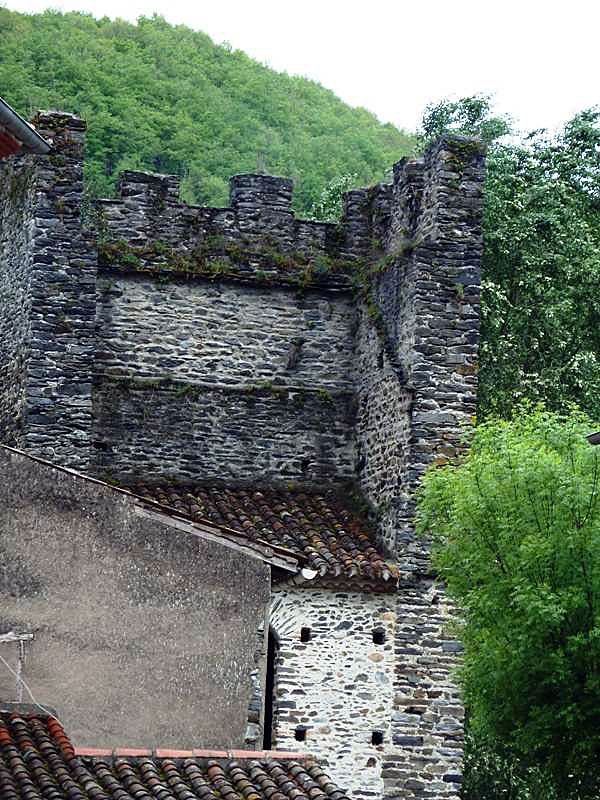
(320, 528)
(37, 760)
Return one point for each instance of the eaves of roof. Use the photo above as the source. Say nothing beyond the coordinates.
(37, 759)
(265, 551)
(17, 135)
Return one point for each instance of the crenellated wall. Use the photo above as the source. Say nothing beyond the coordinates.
(230, 338)
(244, 345)
(417, 379)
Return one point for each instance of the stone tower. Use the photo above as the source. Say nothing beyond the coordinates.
(246, 348)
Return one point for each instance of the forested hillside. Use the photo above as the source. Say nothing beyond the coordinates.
(166, 98)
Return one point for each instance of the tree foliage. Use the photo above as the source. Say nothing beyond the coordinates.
(328, 208)
(166, 98)
(540, 336)
(470, 116)
(516, 535)
(541, 270)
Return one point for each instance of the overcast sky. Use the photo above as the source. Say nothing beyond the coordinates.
(539, 58)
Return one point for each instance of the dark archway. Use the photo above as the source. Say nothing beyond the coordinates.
(272, 654)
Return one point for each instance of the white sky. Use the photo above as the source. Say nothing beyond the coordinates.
(539, 58)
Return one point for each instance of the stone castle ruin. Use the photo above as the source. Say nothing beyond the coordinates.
(285, 379)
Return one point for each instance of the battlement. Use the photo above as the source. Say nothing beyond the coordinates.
(243, 345)
(361, 334)
(249, 192)
(257, 238)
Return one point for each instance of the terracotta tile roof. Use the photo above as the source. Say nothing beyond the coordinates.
(320, 528)
(37, 760)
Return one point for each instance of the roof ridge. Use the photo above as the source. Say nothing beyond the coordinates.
(145, 752)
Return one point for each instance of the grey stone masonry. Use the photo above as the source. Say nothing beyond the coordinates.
(244, 345)
(338, 685)
(256, 239)
(49, 275)
(217, 379)
(425, 759)
(16, 222)
(417, 378)
(187, 432)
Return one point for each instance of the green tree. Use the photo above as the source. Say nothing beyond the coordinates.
(166, 98)
(469, 116)
(515, 529)
(540, 308)
(541, 271)
(328, 208)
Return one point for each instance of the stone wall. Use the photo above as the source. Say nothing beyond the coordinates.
(417, 352)
(338, 686)
(425, 759)
(257, 238)
(224, 337)
(422, 298)
(144, 631)
(341, 687)
(242, 344)
(17, 179)
(172, 430)
(213, 379)
(50, 341)
(235, 308)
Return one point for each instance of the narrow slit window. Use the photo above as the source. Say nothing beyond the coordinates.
(378, 636)
(270, 689)
(305, 634)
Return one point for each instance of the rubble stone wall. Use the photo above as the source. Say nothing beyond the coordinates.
(179, 431)
(425, 756)
(51, 338)
(422, 298)
(16, 220)
(203, 379)
(339, 685)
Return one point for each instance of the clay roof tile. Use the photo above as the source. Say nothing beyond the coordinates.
(320, 527)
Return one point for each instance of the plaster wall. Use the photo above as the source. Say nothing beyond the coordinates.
(144, 633)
